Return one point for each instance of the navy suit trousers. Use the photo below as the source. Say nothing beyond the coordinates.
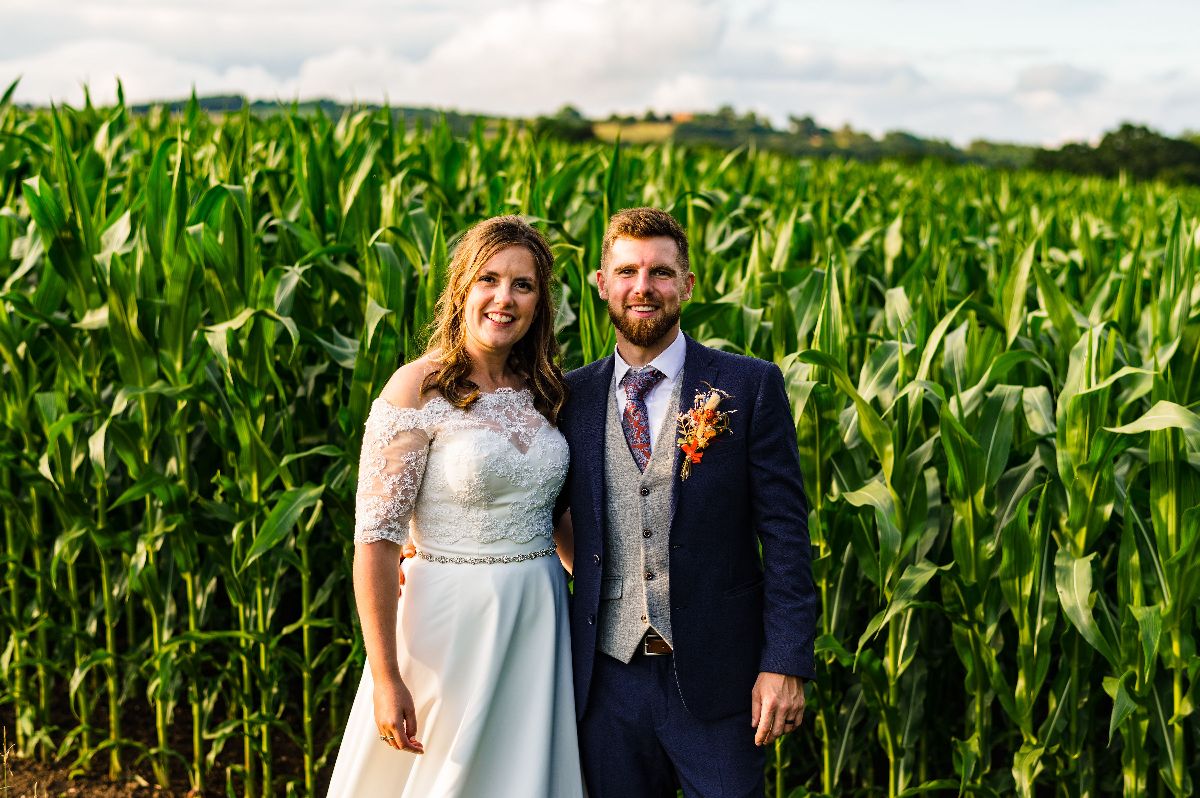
(638, 739)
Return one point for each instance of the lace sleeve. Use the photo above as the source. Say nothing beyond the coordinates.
(394, 450)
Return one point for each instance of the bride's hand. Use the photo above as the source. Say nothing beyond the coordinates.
(396, 717)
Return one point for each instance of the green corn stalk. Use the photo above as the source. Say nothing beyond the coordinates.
(1174, 549)
(1025, 576)
(214, 301)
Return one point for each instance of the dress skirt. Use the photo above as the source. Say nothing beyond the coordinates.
(485, 652)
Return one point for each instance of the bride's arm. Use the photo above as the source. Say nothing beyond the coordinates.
(564, 541)
(391, 466)
(375, 586)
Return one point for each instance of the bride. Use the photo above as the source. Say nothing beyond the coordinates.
(467, 690)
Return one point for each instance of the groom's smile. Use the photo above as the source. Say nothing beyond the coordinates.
(644, 310)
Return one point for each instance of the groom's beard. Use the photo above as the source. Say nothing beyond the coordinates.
(643, 332)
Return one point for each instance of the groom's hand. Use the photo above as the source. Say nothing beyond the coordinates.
(776, 706)
(408, 550)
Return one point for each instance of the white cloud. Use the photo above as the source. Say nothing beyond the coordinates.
(217, 33)
(601, 55)
(60, 73)
(686, 92)
(1061, 79)
(594, 54)
(352, 73)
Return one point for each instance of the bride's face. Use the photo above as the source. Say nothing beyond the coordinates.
(502, 301)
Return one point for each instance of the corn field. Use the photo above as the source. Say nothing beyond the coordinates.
(994, 379)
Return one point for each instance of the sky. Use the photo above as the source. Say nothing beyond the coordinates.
(1040, 72)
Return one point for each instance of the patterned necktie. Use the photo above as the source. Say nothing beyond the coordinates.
(636, 419)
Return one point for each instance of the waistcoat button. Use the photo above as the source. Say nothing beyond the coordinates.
(646, 533)
(645, 491)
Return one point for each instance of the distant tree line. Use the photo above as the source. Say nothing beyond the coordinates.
(568, 124)
(1137, 151)
(1133, 150)
(459, 123)
(804, 136)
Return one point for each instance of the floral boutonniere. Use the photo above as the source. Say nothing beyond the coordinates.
(699, 425)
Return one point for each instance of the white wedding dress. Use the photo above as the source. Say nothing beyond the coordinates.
(483, 646)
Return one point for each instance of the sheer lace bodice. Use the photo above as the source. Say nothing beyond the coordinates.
(485, 475)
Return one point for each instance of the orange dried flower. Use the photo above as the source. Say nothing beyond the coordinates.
(699, 425)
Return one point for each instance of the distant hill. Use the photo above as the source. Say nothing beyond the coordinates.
(803, 136)
(1133, 150)
(234, 103)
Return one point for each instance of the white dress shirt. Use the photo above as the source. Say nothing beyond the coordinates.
(670, 363)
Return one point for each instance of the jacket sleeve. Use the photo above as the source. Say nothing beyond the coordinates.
(779, 509)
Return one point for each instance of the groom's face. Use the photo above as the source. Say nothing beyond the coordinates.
(644, 286)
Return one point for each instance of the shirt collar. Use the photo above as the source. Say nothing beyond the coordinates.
(669, 361)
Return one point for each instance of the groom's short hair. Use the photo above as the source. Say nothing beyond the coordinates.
(643, 223)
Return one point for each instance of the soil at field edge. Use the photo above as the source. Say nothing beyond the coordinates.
(28, 779)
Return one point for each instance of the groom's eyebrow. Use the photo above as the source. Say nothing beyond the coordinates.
(665, 265)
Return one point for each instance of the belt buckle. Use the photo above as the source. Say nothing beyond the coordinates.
(653, 645)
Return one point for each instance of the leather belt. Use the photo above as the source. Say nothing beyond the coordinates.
(653, 645)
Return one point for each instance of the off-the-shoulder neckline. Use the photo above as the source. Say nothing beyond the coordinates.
(442, 399)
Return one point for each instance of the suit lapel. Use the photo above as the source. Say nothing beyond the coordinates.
(594, 415)
(699, 373)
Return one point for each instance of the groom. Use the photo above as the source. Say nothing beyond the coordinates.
(694, 610)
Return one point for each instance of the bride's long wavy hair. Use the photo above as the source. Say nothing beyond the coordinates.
(533, 357)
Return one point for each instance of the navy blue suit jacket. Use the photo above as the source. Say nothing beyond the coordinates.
(734, 612)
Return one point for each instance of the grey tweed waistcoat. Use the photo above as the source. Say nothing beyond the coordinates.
(635, 586)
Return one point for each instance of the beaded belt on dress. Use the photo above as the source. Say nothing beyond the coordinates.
(486, 560)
